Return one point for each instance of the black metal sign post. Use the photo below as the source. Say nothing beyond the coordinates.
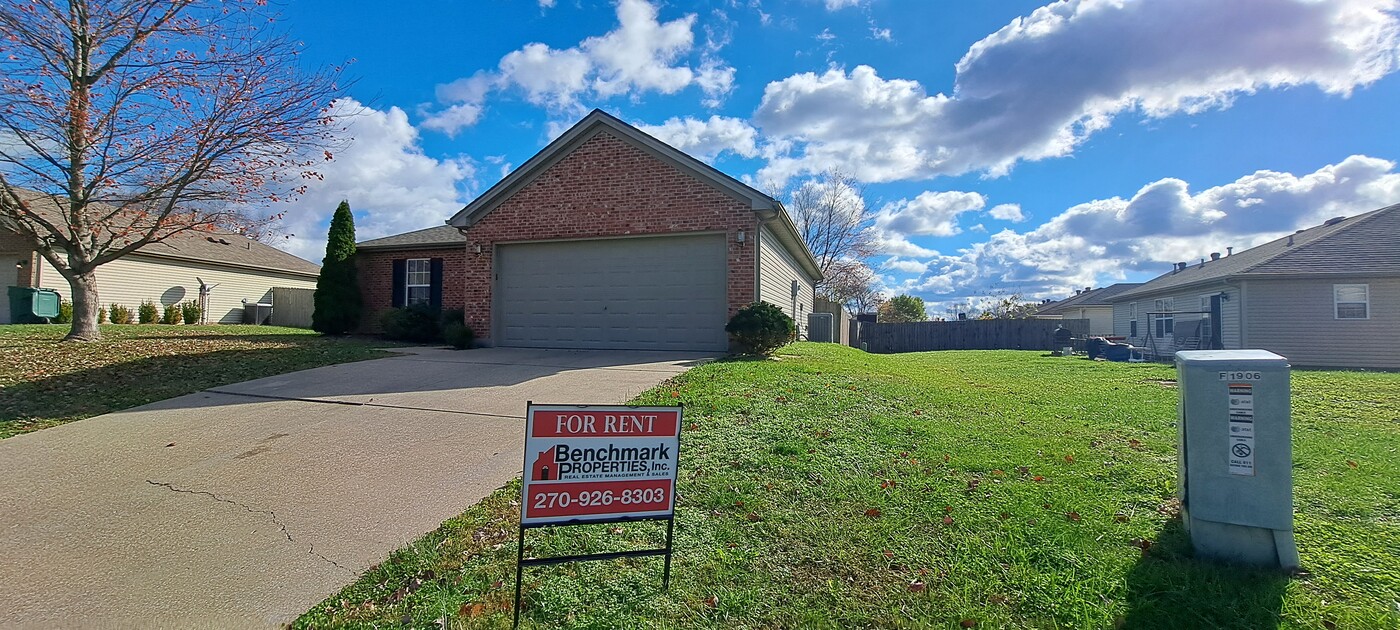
(521, 561)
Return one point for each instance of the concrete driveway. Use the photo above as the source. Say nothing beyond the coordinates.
(245, 505)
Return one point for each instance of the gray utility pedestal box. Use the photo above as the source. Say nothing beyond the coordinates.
(1235, 456)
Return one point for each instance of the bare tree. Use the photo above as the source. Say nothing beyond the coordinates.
(832, 216)
(124, 122)
(853, 284)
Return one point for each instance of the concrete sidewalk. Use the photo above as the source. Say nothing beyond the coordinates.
(245, 505)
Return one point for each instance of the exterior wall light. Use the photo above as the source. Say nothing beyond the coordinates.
(740, 237)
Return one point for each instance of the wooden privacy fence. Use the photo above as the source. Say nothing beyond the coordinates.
(974, 334)
(292, 307)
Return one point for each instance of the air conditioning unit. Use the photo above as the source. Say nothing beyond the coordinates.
(821, 327)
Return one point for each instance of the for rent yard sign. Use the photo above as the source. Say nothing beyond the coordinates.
(593, 463)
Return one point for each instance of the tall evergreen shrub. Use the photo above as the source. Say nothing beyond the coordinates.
(337, 299)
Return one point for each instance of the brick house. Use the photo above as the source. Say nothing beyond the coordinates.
(607, 238)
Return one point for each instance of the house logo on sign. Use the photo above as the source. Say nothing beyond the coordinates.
(545, 467)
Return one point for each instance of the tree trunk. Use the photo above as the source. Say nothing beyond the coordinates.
(85, 305)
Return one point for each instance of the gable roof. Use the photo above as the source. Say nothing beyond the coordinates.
(1366, 244)
(1095, 297)
(769, 210)
(213, 248)
(433, 237)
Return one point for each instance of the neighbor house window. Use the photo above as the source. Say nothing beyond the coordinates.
(1352, 301)
(418, 281)
(1163, 321)
(1132, 319)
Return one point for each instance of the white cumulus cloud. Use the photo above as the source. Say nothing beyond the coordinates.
(706, 139)
(382, 171)
(642, 55)
(1100, 241)
(1041, 85)
(1007, 212)
(928, 214)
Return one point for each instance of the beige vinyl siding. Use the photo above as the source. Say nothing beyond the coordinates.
(130, 280)
(777, 270)
(1295, 318)
(1188, 299)
(1100, 318)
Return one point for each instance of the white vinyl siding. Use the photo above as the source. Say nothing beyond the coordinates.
(777, 271)
(418, 283)
(130, 280)
(1351, 301)
(1297, 319)
(1139, 306)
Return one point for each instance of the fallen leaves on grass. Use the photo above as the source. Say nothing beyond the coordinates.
(889, 554)
(968, 623)
(712, 601)
(1351, 463)
(873, 512)
(947, 520)
(1135, 444)
(754, 517)
(1069, 459)
(1073, 516)
(917, 586)
(1142, 544)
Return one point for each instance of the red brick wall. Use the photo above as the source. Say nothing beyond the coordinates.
(607, 187)
(17, 248)
(376, 274)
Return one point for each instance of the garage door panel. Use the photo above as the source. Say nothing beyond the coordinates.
(635, 293)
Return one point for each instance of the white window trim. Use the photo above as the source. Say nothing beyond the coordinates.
(1335, 303)
(409, 286)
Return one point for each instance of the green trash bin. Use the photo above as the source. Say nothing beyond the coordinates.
(29, 305)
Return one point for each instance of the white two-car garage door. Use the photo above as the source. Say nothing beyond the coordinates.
(645, 293)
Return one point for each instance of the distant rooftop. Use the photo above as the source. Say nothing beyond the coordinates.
(1365, 244)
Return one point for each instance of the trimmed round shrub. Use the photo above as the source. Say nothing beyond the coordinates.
(119, 314)
(190, 312)
(171, 315)
(147, 313)
(760, 328)
(65, 312)
(417, 322)
(457, 335)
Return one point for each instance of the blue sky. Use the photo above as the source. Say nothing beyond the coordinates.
(1003, 147)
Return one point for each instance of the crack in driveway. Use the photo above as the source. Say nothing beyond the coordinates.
(311, 547)
(369, 403)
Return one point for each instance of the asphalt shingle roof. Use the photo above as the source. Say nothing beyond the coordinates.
(444, 235)
(1364, 244)
(206, 247)
(1095, 297)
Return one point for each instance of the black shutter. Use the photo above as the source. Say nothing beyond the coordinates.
(400, 278)
(435, 295)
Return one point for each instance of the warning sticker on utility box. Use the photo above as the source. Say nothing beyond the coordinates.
(588, 463)
(1241, 438)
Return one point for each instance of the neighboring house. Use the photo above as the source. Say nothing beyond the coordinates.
(169, 272)
(1090, 304)
(607, 238)
(1327, 296)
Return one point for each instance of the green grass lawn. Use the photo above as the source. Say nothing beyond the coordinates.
(836, 489)
(44, 382)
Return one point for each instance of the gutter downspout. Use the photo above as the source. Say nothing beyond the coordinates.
(1243, 335)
